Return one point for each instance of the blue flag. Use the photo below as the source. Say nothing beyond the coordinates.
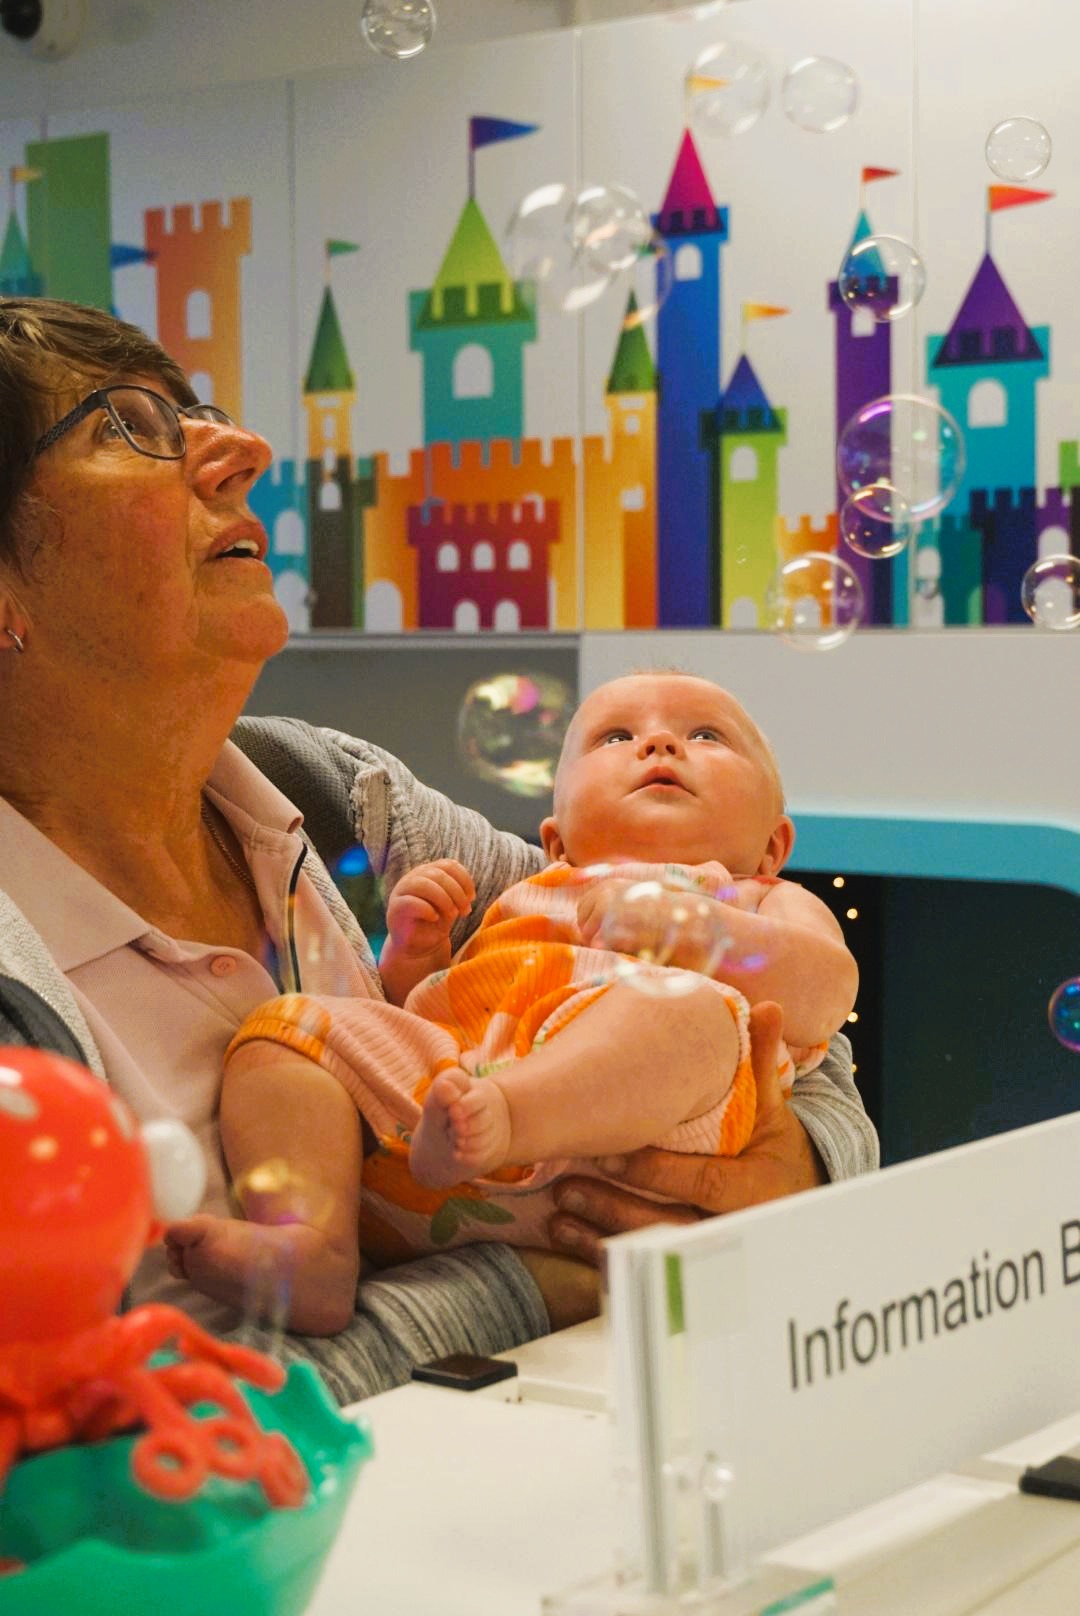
(486, 131)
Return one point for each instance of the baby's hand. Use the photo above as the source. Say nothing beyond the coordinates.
(426, 902)
(594, 906)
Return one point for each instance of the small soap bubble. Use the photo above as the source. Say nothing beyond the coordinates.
(1018, 149)
(608, 228)
(870, 534)
(398, 28)
(716, 1480)
(819, 94)
(511, 729)
(814, 602)
(670, 923)
(276, 1193)
(1064, 1014)
(883, 274)
(1050, 592)
(276, 1198)
(727, 89)
(905, 443)
(542, 253)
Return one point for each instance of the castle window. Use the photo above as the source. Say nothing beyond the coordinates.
(289, 536)
(483, 557)
(198, 316)
(382, 608)
(631, 424)
(292, 593)
(688, 262)
(203, 384)
(507, 617)
(1004, 341)
(537, 503)
(520, 557)
(969, 344)
(988, 404)
(447, 559)
(863, 323)
(633, 499)
(329, 497)
(474, 373)
(743, 613)
(744, 465)
(329, 458)
(329, 427)
(1054, 541)
(466, 617)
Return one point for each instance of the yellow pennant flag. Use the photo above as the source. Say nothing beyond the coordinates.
(762, 311)
(698, 83)
(19, 174)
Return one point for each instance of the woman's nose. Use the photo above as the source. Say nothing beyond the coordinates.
(660, 741)
(222, 455)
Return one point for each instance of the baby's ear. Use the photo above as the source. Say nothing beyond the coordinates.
(550, 840)
(779, 847)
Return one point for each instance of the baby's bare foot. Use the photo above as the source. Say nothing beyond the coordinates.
(463, 1132)
(288, 1273)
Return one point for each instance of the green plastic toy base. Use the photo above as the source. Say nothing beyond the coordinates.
(95, 1544)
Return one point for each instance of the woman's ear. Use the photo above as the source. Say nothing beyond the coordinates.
(550, 840)
(778, 850)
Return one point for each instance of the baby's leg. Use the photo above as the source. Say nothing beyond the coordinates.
(620, 1075)
(277, 1106)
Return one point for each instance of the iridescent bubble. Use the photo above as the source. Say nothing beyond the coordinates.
(867, 532)
(398, 28)
(1018, 149)
(277, 1198)
(814, 602)
(511, 729)
(650, 280)
(670, 923)
(1050, 592)
(819, 94)
(905, 443)
(608, 228)
(727, 89)
(1064, 1014)
(884, 275)
(541, 251)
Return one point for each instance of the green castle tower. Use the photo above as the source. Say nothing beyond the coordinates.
(745, 446)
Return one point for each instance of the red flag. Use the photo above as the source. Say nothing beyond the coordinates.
(1012, 196)
(869, 174)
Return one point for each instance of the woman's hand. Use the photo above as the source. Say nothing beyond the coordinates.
(779, 1160)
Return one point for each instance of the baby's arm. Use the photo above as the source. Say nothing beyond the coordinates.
(423, 907)
(792, 950)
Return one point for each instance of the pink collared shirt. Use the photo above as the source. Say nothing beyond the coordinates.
(162, 1011)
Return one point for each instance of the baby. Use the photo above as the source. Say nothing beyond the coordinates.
(463, 1136)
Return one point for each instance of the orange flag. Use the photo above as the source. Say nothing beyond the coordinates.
(1012, 196)
(869, 174)
(762, 311)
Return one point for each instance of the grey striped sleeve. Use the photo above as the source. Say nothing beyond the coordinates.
(830, 1108)
(476, 1299)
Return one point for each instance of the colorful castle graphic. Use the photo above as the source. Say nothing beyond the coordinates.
(670, 518)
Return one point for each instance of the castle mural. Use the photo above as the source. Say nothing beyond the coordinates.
(671, 516)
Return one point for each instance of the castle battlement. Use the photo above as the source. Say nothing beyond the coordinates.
(999, 503)
(496, 455)
(208, 225)
(808, 535)
(281, 476)
(953, 527)
(873, 289)
(431, 524)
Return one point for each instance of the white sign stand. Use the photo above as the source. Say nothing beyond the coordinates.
(775, 1370)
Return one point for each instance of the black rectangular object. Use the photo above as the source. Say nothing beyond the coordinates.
(464, 1372)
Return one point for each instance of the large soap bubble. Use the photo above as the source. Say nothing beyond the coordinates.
(511, 729)
(883, 274)
(541, 249)
(868, 533)
(814, 602)
(608, 227)
(906, 444)
(398, 28)
(1050, 592)
(727, 89)
(1018, 149)
(667, 922)
(819, 94)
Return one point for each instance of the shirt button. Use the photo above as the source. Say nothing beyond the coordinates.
(223, 965)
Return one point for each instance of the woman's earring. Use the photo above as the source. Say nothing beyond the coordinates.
(16, 640)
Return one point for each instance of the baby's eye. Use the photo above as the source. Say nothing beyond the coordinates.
(614, 735)
(705, 732)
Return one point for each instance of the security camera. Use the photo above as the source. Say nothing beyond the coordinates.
(48, 28)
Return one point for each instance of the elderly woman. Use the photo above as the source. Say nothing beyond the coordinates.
(163, 865)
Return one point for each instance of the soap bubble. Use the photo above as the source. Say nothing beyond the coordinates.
(727, 89)
(1064, 1014)
(883, 274)
(650, 280)
(275, 1197)
(511, 728)
(1050, 592)
(670, 922)
(1018, 149)
(608, 228)
(906, 444)
(398, 28)
(870, 534)
(814, 602)
(819, 94)
(541, 250)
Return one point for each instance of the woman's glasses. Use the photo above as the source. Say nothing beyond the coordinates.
(147, 422)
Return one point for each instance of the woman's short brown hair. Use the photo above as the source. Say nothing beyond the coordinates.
(49, 352)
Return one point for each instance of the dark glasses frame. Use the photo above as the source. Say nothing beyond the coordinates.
(100, 399)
